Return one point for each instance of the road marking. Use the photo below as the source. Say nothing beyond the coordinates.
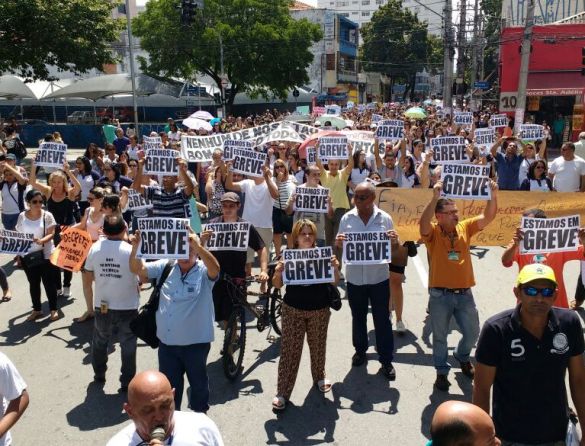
(423, 275)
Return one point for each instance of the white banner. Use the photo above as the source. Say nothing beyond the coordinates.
(333, 148)
(161, 162)
(485, 138)
(230, 144)
(466, 181)
(136, 201)
(449, 149)
(15, 242)
(248, 162)
(152, 142)
(366, 248)
(464, 119)
(544, 235)
(390, 129)
(311, 199)
(498, 121)
(307, 266)
(228, 236)
(531, 132)
(51, 154)
(163, 238)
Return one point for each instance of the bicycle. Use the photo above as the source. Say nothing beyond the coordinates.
(267, 311)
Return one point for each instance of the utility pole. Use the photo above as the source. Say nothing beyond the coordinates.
(447, 58)
(524, 63)
(474, 52)
(461, 53)
(223, 77)
(132, 70)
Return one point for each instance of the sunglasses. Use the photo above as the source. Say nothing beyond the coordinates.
(36, 201)
(533, 291)
(280, 167)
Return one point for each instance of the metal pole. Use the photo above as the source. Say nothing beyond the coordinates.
(447, 59)
(474, 52)
(132, 71)
(222, 76)
(461, 52)
(524, 62)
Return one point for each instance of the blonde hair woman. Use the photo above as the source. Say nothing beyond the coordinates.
(281, 221)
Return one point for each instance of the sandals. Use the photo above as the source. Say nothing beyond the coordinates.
(278, 403)
(85, 317)
(55, 315)
(324, 385)
(7, 298)
(34, 316)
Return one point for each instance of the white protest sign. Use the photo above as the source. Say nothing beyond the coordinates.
(15, 242)
(228, 236)
(466, 181)
(371, 106)
(366, 248)
(498, 121)
(163, 238)
(464, 119)
(161, 162)
(51, 154)
(311, 199)
(485, 138)
(544, 235)
(152, 142)
(333, 110)
(311, 156)
(136, 201)
(449, 149)
(390, 129)
(376, 118)
(333, 147)
(248, 162)
(229, 144)
(307, 266)
(531, 132)
(361, 108)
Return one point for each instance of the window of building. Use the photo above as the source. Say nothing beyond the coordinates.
(342, 3)
(330, 61)
(365, 13)
(380, 2)
(344, 14)
(365, 2)
(354, 13)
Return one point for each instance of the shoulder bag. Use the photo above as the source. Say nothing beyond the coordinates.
(144, 324)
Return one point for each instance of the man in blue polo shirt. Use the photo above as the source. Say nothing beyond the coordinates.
(507, 163)
(524, 354)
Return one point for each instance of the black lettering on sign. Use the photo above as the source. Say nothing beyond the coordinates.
(307, 266)
(466, 181)
(311, 199)
(51, 155)
(228, 236)
(449, 149)
(366, 248)
(550, 234)
(333, 147)
(161, 162)
(14, 242)
(164, 244)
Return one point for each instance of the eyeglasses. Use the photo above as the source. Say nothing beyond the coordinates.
(361, 197)
(533, 291)
(36, 201)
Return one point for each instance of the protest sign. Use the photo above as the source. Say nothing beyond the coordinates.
(15, 242)
(318, 111)
(361, 108)
(311, 155)
(466, 181)
(333, 147)
(371, 106)
(161, 162)
(531, 132)
(72, 250)
(407, 205)
(228, 236)
(311, 199)
(544, 235)
(333, 110)
(51, 154)
(376, 118)
(194, 217)
(248, 162)
(229, 144)
(485, 138)
(449, 149)
(390, 129)
(307, 266)
(366, 248)
(152, 142)
(136, 201)
(200, 148)
(464, 119)
(498, 121)
(163, 238)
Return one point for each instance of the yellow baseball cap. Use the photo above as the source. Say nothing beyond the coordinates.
(535, 271)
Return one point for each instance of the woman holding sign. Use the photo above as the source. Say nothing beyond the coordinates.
(281, 221)
(537, 178)
(305, 310)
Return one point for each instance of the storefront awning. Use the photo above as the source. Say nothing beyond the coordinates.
(555, 84)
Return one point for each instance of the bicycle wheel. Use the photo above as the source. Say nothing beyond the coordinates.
(234, 344)
(276, 310)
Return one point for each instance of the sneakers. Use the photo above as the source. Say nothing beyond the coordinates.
(400, 327)
(389, 372)
(442, 383)
(66, 291)
(358, 359)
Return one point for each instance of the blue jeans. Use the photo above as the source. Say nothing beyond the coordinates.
(378, 295)
(9, 221)
(104, 324)
(176, 360)
(442, 305)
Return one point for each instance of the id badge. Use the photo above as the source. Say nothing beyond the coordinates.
(103, 307)
(454, 256)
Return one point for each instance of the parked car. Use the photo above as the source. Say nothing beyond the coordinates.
(81, 117)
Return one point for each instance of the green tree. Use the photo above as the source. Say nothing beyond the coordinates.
(73, 35)
(492, 11)
(397, 44)
(265, 50)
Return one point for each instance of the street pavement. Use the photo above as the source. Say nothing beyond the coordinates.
(362, 408)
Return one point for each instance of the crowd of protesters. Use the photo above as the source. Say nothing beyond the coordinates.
(93, 195)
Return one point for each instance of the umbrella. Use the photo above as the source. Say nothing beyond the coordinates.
(215, 121)
(202, 114)
(335, 121)
(428, 102)
(195, 123)
(14, 87)
(416, 113)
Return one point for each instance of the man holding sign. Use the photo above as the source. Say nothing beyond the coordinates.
(451, 277)
(367, 276)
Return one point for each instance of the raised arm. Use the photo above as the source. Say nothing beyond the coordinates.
(137, 184)
(16, 172)
(377, 157)
(512, 248)
(137, 265)
(229, 180)
(272, 187)
(425, 226)
(76, 189)
(494, 148)
(185, 178)
(349, 166)
(491, 208)
(208, 259)
(45, 190)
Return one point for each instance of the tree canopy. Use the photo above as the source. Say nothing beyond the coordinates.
(73, 35)
(265, 50)
(397, 43)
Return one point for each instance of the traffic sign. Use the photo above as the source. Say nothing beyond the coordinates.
(482, 85)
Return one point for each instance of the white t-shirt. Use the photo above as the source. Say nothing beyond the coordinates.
(258, 204)
(114, 283)
(191, 429)
(524, 166)
(10, 198)
(87, 182)
(11, 387)
(567, 174)
(36, 228)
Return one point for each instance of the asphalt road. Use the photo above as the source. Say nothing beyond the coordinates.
(362, 408)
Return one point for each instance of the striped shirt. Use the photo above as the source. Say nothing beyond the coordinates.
(165, 204)
(285, 189)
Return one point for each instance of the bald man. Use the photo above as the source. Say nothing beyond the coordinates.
(151, 405)
(457, 423)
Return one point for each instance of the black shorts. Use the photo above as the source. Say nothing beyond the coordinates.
(281, 222)
(396, 269)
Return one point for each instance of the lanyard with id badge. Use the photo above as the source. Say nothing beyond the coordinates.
(452, 254)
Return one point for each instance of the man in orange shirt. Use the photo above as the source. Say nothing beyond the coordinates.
(451, 277)
(556, 260)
